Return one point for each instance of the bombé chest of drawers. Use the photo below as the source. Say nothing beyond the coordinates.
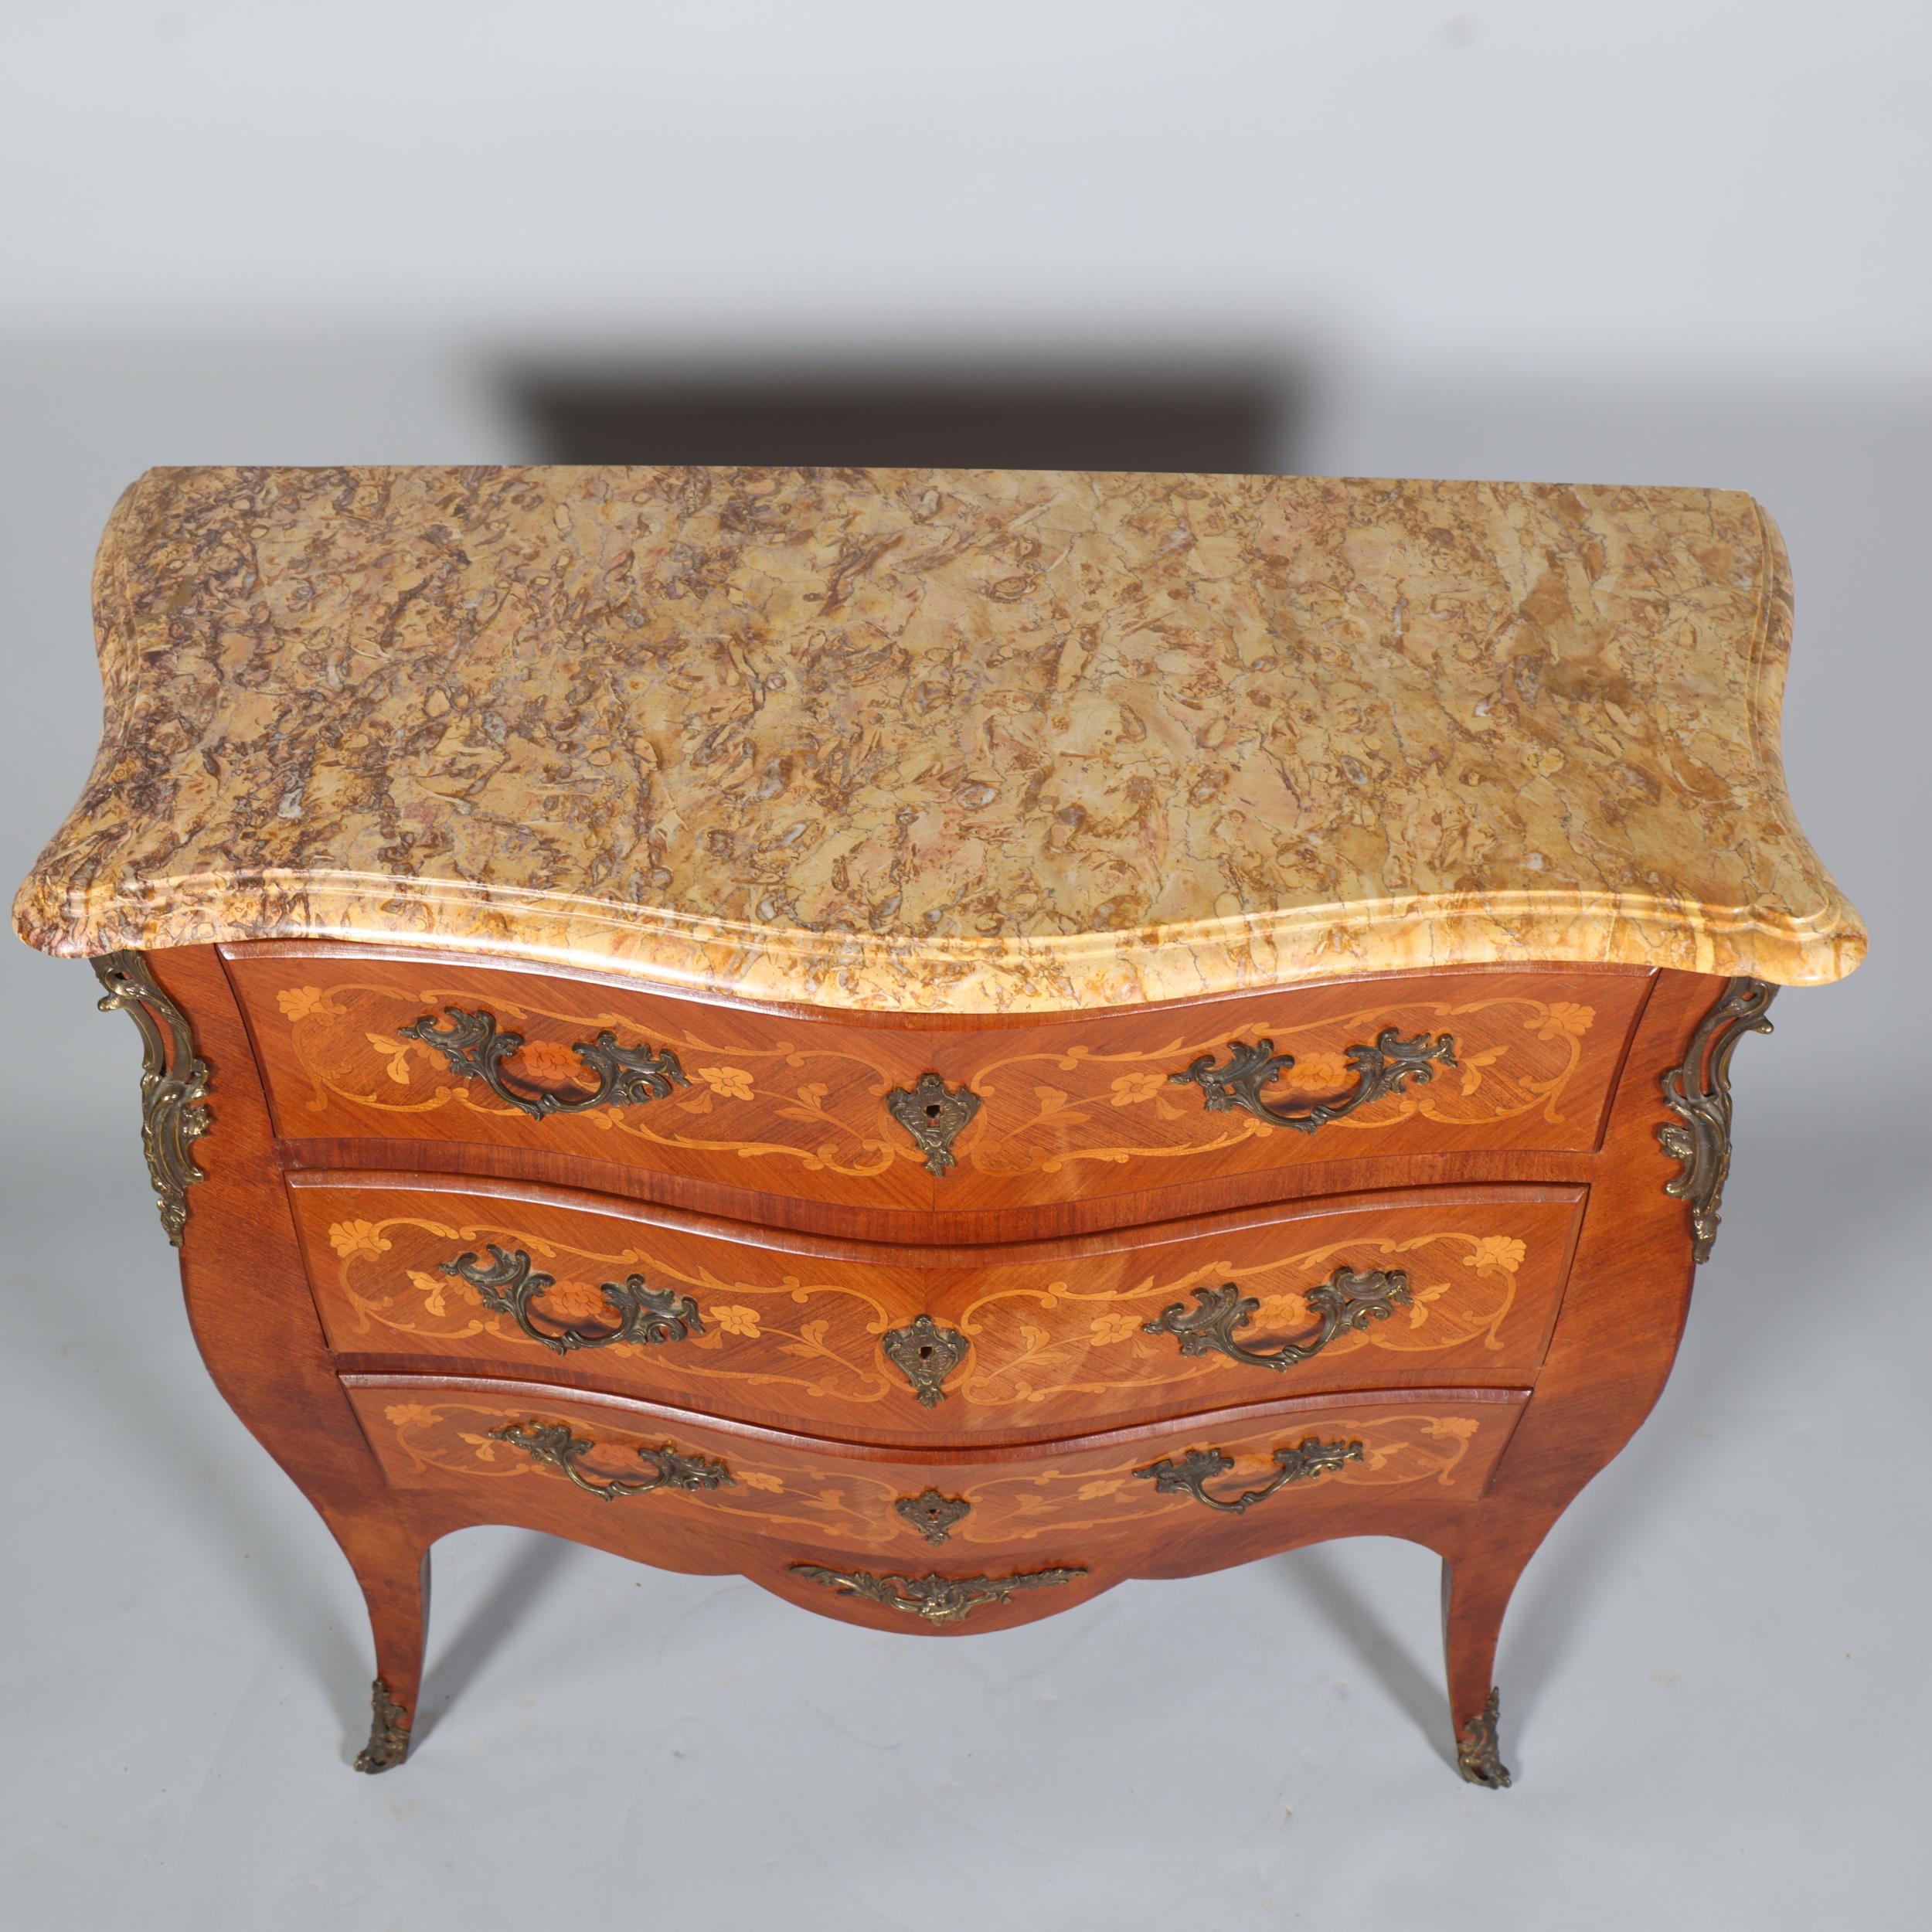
(938, 1040)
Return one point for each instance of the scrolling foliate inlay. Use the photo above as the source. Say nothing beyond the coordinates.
(174, 1082)
(831, 1109)
(1513, 1057)
(820, 1338)
(464, 1435)
(834, 1342)
(1699, 1092)
(364, 1043)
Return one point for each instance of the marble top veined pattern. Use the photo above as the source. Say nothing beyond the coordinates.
(962, 741)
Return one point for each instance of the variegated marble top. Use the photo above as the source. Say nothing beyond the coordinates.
(943, 740)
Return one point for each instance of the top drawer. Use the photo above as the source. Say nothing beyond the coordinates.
(369, 1045)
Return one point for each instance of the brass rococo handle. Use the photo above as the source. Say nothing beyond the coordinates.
(1382, 1067)
(476, 1049)
(553, 1443)
(510, 1285)
(1190, 1473)
(1348, 1299)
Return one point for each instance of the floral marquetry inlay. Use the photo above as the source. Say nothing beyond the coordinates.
(791, 1103)
(1076, 1491)
(801, 1100)
(834, 1337)
(1044, 1111)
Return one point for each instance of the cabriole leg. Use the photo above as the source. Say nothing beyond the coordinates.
(1476, 1590)
(394, 1572)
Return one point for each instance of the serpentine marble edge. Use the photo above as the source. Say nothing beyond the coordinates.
(965, 741)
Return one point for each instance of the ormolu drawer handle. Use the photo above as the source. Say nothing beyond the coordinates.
(509, 1285)
(551, 1442)
(1190, 1475)
(940, 1600)
(1346, 1300)
(626, 1075)
(1380, 1069)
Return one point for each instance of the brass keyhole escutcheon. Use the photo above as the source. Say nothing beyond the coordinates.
(933, 1514)
(933, 1114)
(926, 1354)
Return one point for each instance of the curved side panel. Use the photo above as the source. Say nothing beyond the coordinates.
(1623, 1316)
(256, 1325)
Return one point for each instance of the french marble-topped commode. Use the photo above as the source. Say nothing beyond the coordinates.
(938, 1039)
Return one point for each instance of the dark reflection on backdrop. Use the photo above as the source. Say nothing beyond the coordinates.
(1223, 421)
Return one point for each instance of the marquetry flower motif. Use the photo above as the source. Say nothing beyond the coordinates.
(306, 1002)
(351, 1238)
(1496, 1254)
(395, 1052)
(1280, 1311)
(758, 1479)
(728, 1083)
(430, 1286)
(549, 1062)
(1318, 1073)
(1565, 1021)
(403, 1413)
(1130, 1089)
(734, 1320)
(1114, 1328)
(1092, 1491)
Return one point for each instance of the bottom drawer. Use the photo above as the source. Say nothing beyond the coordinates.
(934, 1540)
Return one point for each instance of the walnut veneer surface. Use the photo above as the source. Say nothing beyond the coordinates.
(949, 740)
(938, 1041)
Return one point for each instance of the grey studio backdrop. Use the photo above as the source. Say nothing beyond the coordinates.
(1664, 245)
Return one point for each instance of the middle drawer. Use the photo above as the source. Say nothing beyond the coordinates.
(900, 1344)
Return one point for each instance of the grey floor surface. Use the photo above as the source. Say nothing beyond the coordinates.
(1716, 1692)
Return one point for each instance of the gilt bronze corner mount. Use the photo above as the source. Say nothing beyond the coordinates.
(174, 1082)
(1699, 1092)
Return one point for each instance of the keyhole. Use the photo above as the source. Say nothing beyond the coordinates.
(926, 1352)
(932, 1113)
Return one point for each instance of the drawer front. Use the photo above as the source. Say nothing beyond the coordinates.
(875, 1536)
(998, 1115)
(906, 1345)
